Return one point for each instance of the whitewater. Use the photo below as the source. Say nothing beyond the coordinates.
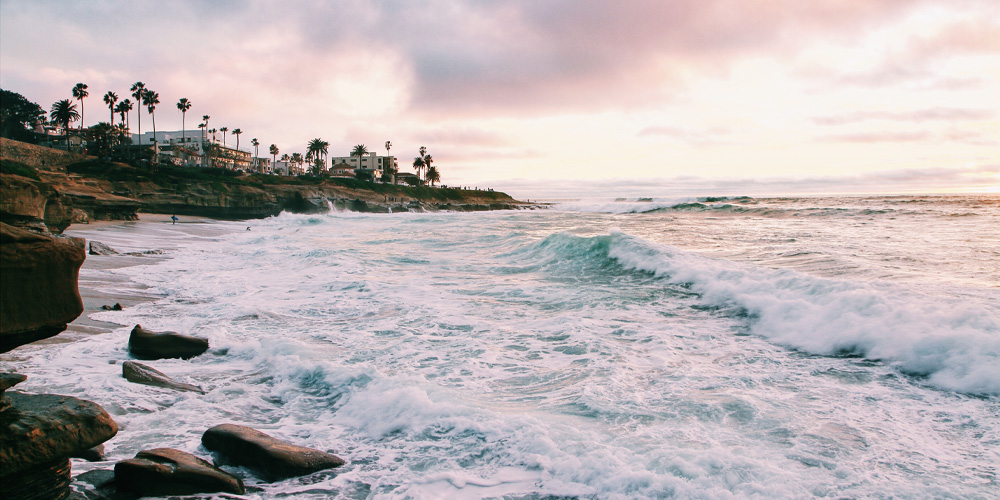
(799, 347)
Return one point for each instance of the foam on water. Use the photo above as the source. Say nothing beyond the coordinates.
(535, 354)
(953, 342)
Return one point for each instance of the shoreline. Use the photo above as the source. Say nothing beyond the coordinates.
(100, 286)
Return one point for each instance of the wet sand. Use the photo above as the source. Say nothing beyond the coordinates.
(100, 286)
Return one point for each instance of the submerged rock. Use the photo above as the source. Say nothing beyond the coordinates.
(39, 434)
(38, 285)
(146, 344)
(272, 458)
(142, 374)
(166, 471)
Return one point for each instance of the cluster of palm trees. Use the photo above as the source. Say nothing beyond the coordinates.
(424, 162)
(316, 153)
(64, 112)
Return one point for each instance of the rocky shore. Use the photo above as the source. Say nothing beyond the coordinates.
(41, 433)
(40, 296)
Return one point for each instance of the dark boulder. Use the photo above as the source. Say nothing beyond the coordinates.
(142, 374)
(38, 434)
(146, 344)
(116, 307)
(166, 471)
(98, 248)
(272, 458)
(38, 285)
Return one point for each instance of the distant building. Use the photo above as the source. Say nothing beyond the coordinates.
(342, 170)
(371, 164)
(287, 168)
(262, 165)
(192, 138)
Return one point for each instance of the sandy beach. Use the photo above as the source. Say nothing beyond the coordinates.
(100, 286)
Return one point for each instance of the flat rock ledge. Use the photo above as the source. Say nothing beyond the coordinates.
(166, 471)
(148, 345)
(271, 458)
(38, 435)
(141, 374)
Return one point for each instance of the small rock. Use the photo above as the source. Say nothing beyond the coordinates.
(95, 454)
(8, 380)
(145, 344)
(272, 458)
(142, 374)
(116, 307)
(166, 471)
(98, 248)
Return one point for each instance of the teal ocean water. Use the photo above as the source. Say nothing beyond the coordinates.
(599, 349)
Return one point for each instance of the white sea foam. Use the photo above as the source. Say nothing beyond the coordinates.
(954, 342)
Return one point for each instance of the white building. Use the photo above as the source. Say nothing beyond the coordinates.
(191, 139)
(371, 163)
(287, 168)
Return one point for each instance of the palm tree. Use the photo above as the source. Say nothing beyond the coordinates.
(427, 164)
(205, 119)
(63, 112)
(418, 163)
(110, 99)
(150, 99)
(184, 105)
(433, 175)
(139, 88)
(388, 146)
(223, 130)
(256, 152)
(423, 160)
(274, 153)
(79, 92)
(237, 133)
(123, 108)
(319, 148)
(297, 159)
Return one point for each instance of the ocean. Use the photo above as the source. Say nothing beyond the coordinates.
(718, 348)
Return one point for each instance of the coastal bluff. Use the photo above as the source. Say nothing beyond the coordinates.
(39, 296)
(68, 188)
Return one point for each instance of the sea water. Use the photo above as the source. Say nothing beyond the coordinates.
(664, 348)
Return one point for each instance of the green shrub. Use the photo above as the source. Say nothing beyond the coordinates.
(18, 168)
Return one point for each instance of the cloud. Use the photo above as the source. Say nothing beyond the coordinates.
(920, 115)
(868, 137)
(707, 136)
(929, 180)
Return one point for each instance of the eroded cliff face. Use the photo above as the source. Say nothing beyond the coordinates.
(27, 202)
(39, 294)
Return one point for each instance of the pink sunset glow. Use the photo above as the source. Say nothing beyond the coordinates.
(561, 98)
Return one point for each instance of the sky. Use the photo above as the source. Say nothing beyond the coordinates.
(558, 98)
